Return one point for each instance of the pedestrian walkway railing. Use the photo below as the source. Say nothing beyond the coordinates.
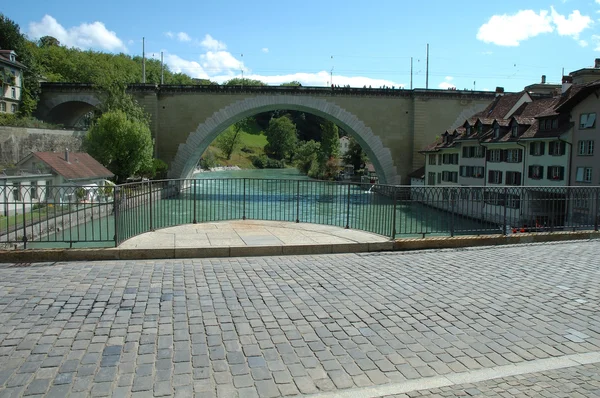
(52, 216)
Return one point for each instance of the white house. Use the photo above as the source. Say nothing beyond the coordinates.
(11, 81)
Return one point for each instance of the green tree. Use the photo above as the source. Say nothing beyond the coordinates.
(121, 143)
(355, 155)
(306, 156)
(228, 141)
(294, 83)
(48, 41)
(281, 138)
(236, 81)
(330, 140)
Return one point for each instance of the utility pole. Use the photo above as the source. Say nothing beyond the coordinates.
(331, 75)
(427, 70)
(162, 69)
(242, 70)
(411, 73)
(143, 60)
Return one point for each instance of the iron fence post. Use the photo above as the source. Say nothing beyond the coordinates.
(452, 205)
(505, 210)
(597, 190)
(195, 220)
(116, 199)
(394, 215)
(298, 201)
(348, 208)
(150, 205)
(244, 201)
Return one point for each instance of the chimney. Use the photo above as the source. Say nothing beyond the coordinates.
(499, 91)
(567, 81)
(67, 155)
(543, 79)
(597, 63)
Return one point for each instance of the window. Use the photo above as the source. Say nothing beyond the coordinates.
(472, 152)
(16, 191)
(471, 171)
(585, 147)
(2, 106)
(556, 148)
(13, 108)
(537, 148)
(450, 176)
(431, 159)
(584, 174)
(468, 130)
(440, 159)
(515, 130)
(439, 177)
(495, 177)
(587, 120)
(513, 178)
(431, 179)
(536, 172)
(13, 92)
(495, 155)
(33, 189)
(450, 158)
(514, 155)
(555, 123)
(548, 124)
(556, 173)
(479, 128)
(496, 131)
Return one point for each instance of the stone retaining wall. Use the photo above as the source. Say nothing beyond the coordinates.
(18, 142)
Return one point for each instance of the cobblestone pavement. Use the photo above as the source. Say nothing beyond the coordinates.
(575, 382)
(276, 326)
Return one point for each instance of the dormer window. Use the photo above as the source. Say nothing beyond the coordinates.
(12, 57)
(555, 123)
(548, 124)
(515, 130)
(468, 130)
(479, 128)
(496, 131)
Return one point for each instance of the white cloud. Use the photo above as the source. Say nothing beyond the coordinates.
(84, 36)
(572, 25)
(446, 83)
(582, 43)
(221, 61)
(170, 35)
(212, 44)
(182, 36)
(179, 65)
(266, 50)
(596, 40)
(510, 30)
(487, 53)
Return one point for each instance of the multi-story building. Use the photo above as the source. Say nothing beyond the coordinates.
(544, 142)
(11, 81)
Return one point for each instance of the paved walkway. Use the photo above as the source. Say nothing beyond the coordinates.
(497, 321)
(248, 233)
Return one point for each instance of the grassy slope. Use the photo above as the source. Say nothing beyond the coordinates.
(255, 141)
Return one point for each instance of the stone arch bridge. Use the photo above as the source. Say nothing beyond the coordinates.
(391, 125)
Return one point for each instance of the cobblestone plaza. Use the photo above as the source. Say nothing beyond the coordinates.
(500, 321)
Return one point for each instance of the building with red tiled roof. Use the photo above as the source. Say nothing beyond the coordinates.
(69, 167)
(541, 142)
(11, 81)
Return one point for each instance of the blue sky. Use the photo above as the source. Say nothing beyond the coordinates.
(473, 44)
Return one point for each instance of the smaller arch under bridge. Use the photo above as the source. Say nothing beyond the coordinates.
(391, 125)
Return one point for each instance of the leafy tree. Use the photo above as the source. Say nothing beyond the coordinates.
(355, 155)
(281, 138)
(48, 41)
(228, 141)
(330, 140)
(115, 98)
(236, 81)
(294, 83)
(121, 143)
(306, 156)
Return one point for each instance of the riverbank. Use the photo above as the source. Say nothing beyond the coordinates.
(219, 168)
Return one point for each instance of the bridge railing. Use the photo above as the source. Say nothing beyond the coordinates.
(54, 216)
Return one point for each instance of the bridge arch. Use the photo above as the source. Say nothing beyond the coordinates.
(68, 109)
(189, 152)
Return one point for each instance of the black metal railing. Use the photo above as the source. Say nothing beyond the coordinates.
(45, 216)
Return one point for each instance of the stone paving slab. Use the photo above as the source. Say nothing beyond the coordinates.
(290, 325)
(248, 233)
